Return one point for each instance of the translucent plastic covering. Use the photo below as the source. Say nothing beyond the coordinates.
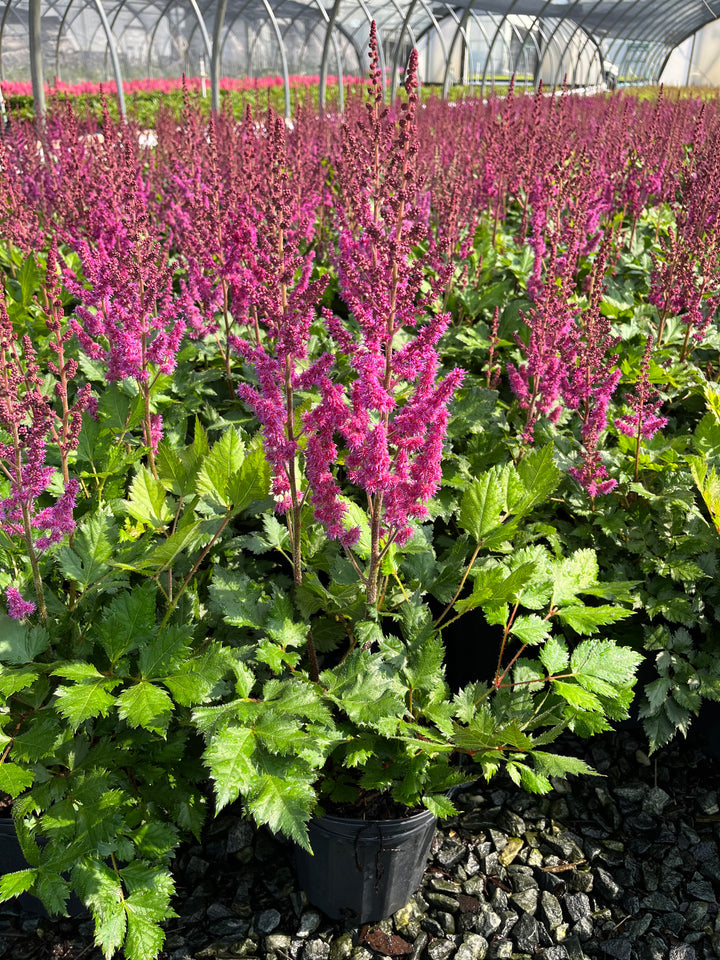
(476, 42)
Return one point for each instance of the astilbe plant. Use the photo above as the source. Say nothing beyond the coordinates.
(275, 296)
(643, 422)
(397, 412)
(27, 421)
(128, 316)
(685, 280)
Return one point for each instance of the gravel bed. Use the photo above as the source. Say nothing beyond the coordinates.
(625, 867)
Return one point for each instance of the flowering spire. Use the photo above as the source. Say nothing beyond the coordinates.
(27, 419)
(394, 415)
(645, 401)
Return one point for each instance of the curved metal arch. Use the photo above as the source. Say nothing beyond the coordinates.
(537, 22)
(460, 31)
(220, 11)
(310, 29)
(432, 25)
(589, 38)
(589, 35)
(112, 47)
(329, 34)
(283, 59)
(498, 33)
(657, 61)
(200, 22)
(251, 47)
(655, 36)
(6, 11)
(381, 54)
(566, 18)
(683, 12)
(477, 19)
(531, 31)
(61, 27)
(153, 34)
(109, 30)
(326, 53)
(405, 26)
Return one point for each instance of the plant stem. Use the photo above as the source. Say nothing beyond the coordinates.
(449, 607)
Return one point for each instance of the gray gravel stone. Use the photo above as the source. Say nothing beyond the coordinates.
(267, 921)
(577, 906)
(441, 949)
(316, 950)
(526, 933)
(473, 947)
(218, 911)
(682, 951)
(550, 909)
(701, 890)
(309, 922)
(655, 801)
(419, 946)
(451, 852)
(619, 949)
(558, 952)
(501, 950)
(278, 941)
(605, 885)
(526, 900)
(240, 835)
(341, 947)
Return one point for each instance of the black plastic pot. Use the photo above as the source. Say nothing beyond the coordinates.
(364, 870)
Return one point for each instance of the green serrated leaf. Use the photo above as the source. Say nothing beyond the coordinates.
(145, 705)
(586, 620)
(37, 741)
(485, 503)
(238, 597)
(539, 475)
(439, 805)
(166, 651)
(145, 936)
(148, 501)
(21, 643)
(219, 468)
(251, 481)
(530, 629)
(577, 696)
(92, 549)
(82, 701)
(13, 884)
(128, 621)
(14, 779)
(572, 575)
(554, 656)
(284, 803)
(229, 757)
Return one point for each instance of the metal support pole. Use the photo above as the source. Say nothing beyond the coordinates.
(330, 25)
(217, 55)
(112, 47)
(36, 66)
